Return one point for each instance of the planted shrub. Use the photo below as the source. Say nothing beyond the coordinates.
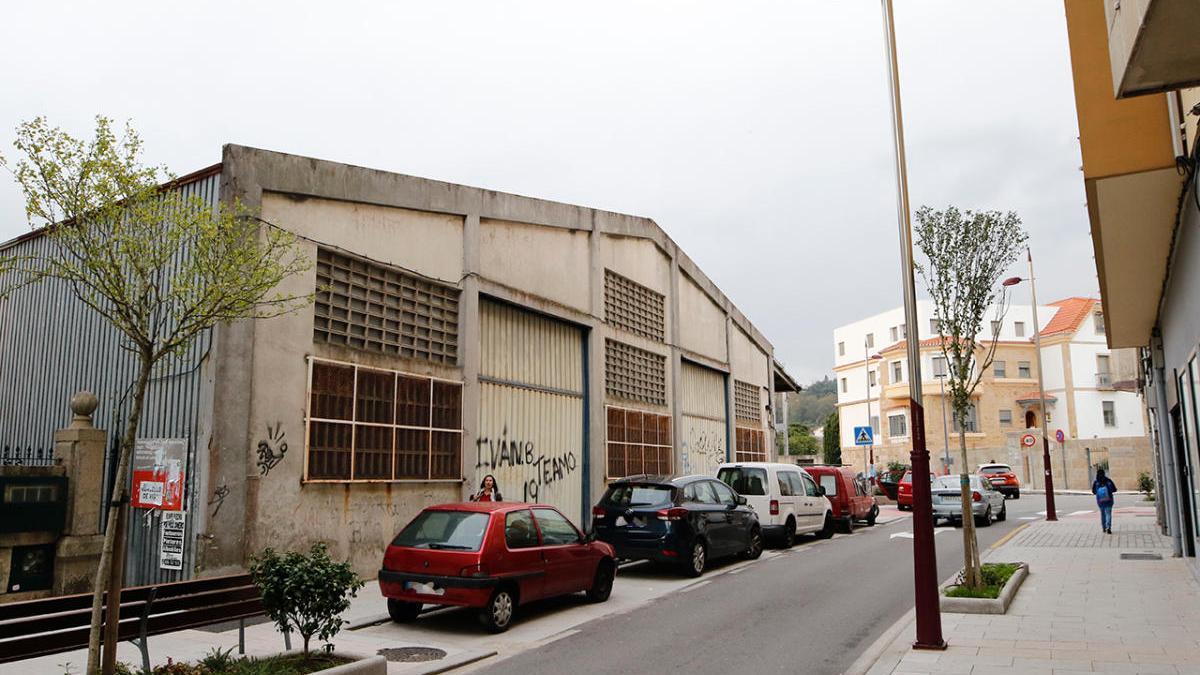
(305, 593)
(1145, 483)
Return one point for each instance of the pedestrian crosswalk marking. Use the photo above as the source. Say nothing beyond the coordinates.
(1082, 513)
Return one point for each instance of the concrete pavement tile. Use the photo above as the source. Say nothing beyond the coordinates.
(1129, 667)
(961, 650)
(1062, 664)
(1015, 651)
(914, 656)
(1009, 670)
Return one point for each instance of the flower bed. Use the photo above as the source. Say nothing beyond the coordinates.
(1000, 584)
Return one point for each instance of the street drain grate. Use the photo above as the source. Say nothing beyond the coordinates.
(1141, 556)
(411, 654)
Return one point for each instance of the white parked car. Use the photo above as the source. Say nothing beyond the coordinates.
(786, 498)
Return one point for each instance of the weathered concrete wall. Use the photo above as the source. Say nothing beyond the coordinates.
(550, 262)
(703, 331)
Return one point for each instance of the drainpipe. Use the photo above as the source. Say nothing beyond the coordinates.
(1166, 447)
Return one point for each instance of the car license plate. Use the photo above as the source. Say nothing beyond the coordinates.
(937, 499)
(424, 588)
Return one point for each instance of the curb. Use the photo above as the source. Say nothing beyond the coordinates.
(453, 662)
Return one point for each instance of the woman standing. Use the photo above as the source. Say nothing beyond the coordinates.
(488, 491)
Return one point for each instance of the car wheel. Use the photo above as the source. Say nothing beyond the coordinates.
(1016, 494)
(754, 548)
(847, 526)
(987, 518)
(826, 531)
(1003, 514)
(789, 534)
(497, 615)
(694, 566)
(602, 584)
(403, 612)
(873, 515)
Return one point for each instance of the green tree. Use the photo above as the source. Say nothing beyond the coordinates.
(966, 253)
(158, 266)
(832, 440)
(305, 593)
(800, 440)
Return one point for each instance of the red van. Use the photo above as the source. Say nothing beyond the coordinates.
(848, 494)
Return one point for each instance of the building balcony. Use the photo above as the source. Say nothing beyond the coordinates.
(1152, 45)
(896, 390)
(1104, 381)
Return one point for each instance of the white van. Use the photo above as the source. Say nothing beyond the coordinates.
(785, 497)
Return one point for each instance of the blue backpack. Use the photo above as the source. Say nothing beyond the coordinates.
(1103, 496)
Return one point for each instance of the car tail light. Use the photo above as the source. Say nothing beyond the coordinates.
(474, 571)
(976, 496)
(774, 507)
(676, 513)
(599, 512)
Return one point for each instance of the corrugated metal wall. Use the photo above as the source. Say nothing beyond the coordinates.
(531, 419)
(52, 346)
(702, 443)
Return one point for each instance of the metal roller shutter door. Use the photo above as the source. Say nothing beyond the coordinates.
(702, 441)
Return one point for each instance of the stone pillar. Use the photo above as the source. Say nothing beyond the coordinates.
(80, 450)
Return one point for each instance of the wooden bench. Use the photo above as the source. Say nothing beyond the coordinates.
(53, 625)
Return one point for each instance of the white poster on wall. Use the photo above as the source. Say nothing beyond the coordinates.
(170, 543)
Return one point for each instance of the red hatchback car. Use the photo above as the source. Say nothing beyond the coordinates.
(492, 556)
(904, 497)
(848, 493)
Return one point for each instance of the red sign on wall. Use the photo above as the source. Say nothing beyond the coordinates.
(158, 473)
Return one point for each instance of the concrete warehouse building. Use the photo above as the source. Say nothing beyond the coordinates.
(458, 332)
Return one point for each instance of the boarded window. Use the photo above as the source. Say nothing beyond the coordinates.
(379, 308)
(635, 374)
(638, 442)
(747, 405)
(751, 445)
(631, 306)
(370, 424)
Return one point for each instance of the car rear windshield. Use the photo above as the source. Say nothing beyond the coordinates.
(952, 482)
(907, 477)
(454, 530)
(632, 495)
(829, 482)
(745, 481)
(995, 469)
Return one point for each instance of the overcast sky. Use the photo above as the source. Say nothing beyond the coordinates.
(757, 134)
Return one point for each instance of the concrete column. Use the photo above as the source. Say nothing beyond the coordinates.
(80, 450)
(596, 429)
(676, 374)
(469, 323)
(730, 410)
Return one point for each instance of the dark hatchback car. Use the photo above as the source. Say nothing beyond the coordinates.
(684, 521)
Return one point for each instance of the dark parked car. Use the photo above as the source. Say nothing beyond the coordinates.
(493, 556)
(685, 521)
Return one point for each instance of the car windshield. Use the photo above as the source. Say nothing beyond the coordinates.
(745, 481)
(829, 482)
(999, 468)
(907, 477)
(454, 530)
(629, 494)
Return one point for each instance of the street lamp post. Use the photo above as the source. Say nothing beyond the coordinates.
(1051, 514)
(925, 574)
(869, 451)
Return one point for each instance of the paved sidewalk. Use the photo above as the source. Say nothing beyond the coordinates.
(1082, 609)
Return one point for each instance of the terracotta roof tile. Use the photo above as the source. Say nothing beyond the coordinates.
(1071, 313)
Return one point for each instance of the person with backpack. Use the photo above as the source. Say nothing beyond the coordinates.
(1104, 489)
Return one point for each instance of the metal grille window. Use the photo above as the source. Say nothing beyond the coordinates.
(897, 426)
(366, 424)
(633, 307)
(380, 308)
(746, 403)
(751, 445)
(635, 374)
(638, 442)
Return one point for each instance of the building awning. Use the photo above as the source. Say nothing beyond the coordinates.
(782, 381)
(1035, 397)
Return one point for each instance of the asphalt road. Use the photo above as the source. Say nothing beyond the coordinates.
(814, 610)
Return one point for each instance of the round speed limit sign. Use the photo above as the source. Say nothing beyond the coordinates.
(1028, 440)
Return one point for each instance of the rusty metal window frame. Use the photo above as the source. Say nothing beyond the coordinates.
(353, 423)
(747, 401)
(630, 306)
(366, 305)
(751, 445)
(609, 442)
(634, 374)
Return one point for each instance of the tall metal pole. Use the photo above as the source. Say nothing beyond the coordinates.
(867, 367)
(1051, 514)
(945, 430)
(925, 582)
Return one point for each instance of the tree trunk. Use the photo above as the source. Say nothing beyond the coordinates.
(970, 545)
(120, 495)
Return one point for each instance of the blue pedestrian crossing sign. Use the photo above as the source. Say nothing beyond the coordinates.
(863, 436)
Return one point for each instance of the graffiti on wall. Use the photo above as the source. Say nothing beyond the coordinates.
(703, 446)
(218, 499)
(537, 470)
(271, 449)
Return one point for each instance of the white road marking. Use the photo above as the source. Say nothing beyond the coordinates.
(909, 535)
(1081, 513)
(1029, 518)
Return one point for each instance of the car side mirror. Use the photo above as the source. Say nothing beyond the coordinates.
(821, 490)
(589, 537)
(741, 500)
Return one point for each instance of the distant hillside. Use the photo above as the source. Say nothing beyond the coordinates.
(811, 406)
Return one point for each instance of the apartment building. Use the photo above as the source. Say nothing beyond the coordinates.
(1090, 394)
(1136, 71)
